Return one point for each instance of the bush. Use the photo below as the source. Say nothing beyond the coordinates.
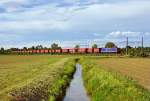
(143, 54)
(133, 53)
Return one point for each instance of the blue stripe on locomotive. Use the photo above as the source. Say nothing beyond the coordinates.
(109, 50)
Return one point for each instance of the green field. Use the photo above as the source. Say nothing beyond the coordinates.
(109, 79)
(137, 68)
(31, 74)
(43, 77)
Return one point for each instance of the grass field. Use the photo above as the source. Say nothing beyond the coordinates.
(105, 81)
(29, 73)
(43, 77)
(137, 68)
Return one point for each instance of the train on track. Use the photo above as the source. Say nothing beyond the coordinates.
(69, 51)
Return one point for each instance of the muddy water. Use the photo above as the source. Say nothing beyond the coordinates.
(76, 91)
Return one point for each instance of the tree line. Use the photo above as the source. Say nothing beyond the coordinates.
(131, 51)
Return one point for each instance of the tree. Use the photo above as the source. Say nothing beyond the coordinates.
(77, 46)
(14, 49)
(2, 50)
(94, 46)
(129, 47)
(32, 47)
(45, 48)
(110, 45)
(39, 47)
(25, 48)
(55, 46)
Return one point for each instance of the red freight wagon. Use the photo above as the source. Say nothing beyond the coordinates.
(34, 51)
(38, 51)
(52, 51)
(25, 51)
(90, 50)
(30, 51)
(46, 51)
(58, 50)
(82, 50)
(21, 51)
(65, 50)
(42, 51)
(96, 50)
(72, 50)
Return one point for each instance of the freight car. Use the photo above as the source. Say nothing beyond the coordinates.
(70, 51)
(82, 50)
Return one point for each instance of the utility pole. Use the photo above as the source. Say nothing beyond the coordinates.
(127, 47)
(142, 44)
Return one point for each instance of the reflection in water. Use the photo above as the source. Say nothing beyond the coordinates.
(76, 91)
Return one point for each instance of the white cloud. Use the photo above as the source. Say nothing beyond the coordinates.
(147, 33)
(97, 34)
(6, 38)
(102, 17)
(97, 16)
(94, 18)
(119, 34)
(72, 1)
(47, 17)
(13, 5)
(18, 1)
(115, 10)
(130, 34)
(33, 25)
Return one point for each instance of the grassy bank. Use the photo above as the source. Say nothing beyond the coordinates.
(62, 81)
(34, 78)
(103, 85)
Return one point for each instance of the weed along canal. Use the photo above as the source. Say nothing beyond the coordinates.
(76, 90)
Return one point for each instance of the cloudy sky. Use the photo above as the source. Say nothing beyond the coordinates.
(69, 22)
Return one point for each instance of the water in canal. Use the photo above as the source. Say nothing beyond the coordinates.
(76, 91)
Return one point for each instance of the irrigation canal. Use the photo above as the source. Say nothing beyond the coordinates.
(76, 90)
